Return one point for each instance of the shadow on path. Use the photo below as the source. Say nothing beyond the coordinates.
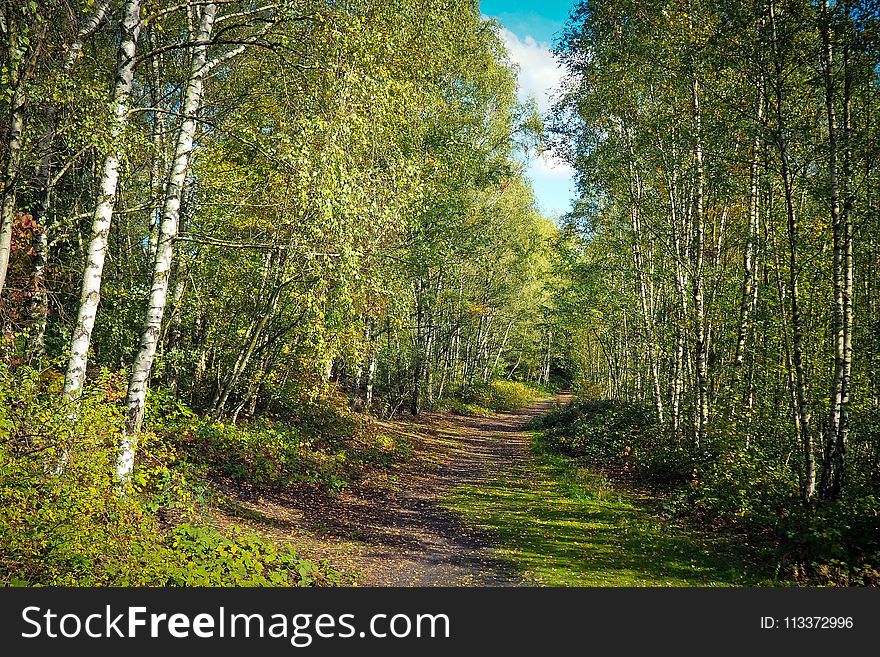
(403, 536)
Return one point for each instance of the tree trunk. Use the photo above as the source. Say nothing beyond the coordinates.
(90, 292)
(848, 279)
(802, 408)
(502, 346)
(841, 224)
(11, 173)
(831, 460)
(638, 264)
(748, 297)
(152, 326)
(680, 281)
(39, 307)
(701, 414)
(415, 402)
(371, 377)
(251, 339)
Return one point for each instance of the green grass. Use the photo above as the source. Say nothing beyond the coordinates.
(560, 524)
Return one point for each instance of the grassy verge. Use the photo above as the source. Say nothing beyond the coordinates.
(747, 487)
(561, 524)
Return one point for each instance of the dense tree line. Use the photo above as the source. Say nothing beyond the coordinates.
(725, 246)
(245, 203)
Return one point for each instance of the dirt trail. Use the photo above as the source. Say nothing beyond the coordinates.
(400, 535)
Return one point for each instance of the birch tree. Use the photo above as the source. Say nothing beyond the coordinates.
(140, 373)
(90, 291)
(45, 181)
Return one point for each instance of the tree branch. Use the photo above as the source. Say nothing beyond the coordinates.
(213, 241)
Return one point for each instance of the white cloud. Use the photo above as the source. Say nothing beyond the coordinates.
(539, 76)
(548, 166)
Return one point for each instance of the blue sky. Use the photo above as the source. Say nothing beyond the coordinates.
(530, 26)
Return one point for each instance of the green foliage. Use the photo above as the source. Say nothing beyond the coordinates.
(625, 435)
(483, 399)
(320, 441)
(64, 519)
(740, 484)
(598, 429)
(499, 395)
(205, 557)
(836, 544)
(464, 408)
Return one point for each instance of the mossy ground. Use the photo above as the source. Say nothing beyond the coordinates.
(561, 524)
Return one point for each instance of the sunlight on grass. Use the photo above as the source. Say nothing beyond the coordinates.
(563, 525)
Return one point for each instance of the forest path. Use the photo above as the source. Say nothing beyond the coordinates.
(401, 532)
(474, 506)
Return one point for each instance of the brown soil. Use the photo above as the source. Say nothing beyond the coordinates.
(394, 531)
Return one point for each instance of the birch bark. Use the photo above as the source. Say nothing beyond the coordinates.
(90, 292)
(701, 415)
(151, 330)
(808, 484)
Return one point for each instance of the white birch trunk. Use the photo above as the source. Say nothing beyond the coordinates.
(371, 377)
(701, 415)
(802, 410)
(90, 292)
(143, 363)
(848, 276)
(502, 346)
(644, 295)
(830, 463)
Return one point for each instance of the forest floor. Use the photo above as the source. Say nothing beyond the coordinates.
(475, 505)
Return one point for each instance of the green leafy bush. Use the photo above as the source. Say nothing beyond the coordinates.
(836, 543)
(500, 395)
(462, 408)
(598, 429)
(738, 484)
(496, 395)
(64, 520)
(202, 556)
(319, 441)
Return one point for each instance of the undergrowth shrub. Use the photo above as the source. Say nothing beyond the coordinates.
(320, 442)
(737, 484)
(501, 395)
(750, 486)
(836, 543)
(497, 395)
(205, 557)
(598, 430)
(64, 521)
(463, 408)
